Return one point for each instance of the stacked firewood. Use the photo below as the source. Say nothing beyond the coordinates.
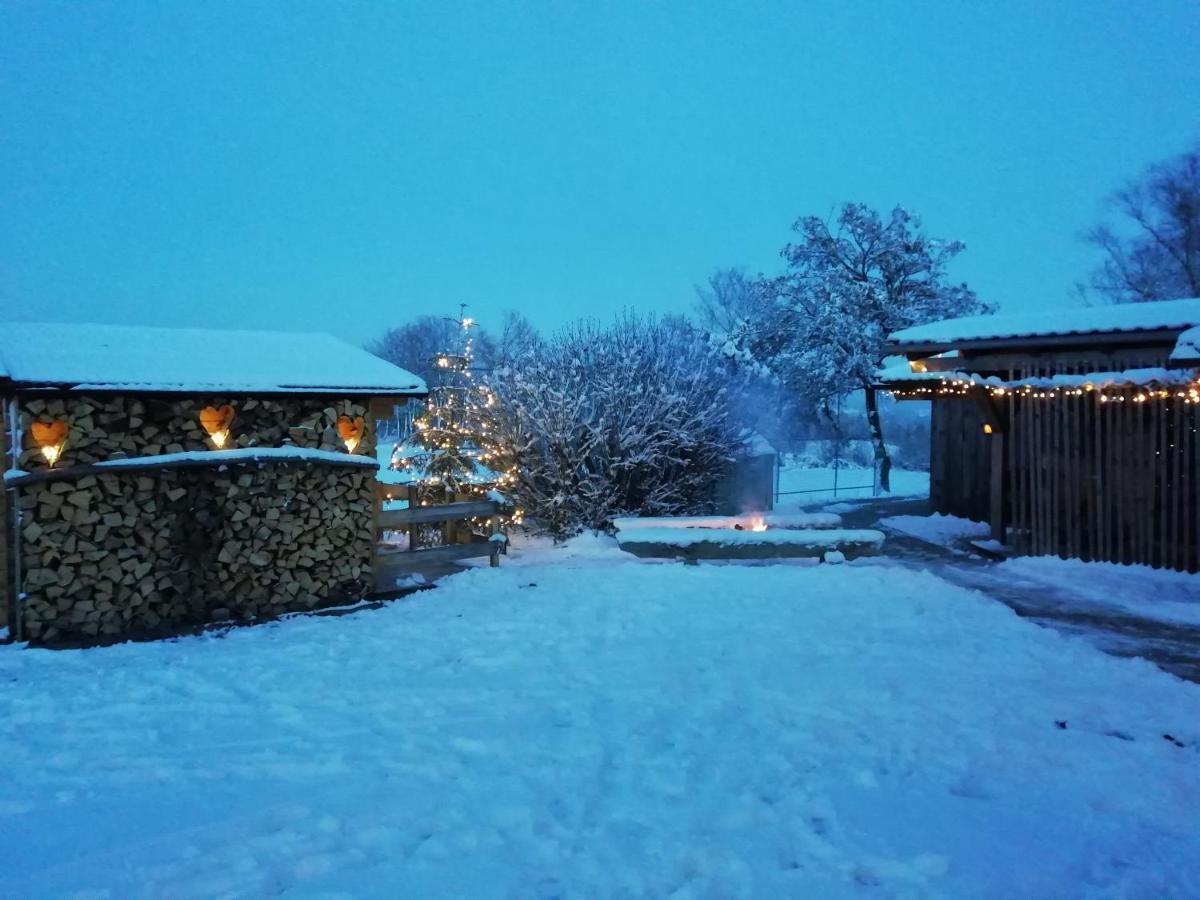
(116, 427)
(144, 551)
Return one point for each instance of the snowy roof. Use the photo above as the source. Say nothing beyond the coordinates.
(192, 360)
(1163, 315)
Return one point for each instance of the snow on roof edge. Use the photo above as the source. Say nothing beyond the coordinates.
(233, 456)
(1130, 317)
(78, 356)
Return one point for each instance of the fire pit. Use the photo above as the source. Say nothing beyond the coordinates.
(750, 536)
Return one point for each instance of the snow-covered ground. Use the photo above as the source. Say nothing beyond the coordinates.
(946, 531)
(1101, 588)
(579, 723)
(1148, 593)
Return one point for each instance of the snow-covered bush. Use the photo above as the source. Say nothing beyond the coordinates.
(635, 418)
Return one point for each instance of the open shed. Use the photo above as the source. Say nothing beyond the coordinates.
(161, 478)
(1073, 432)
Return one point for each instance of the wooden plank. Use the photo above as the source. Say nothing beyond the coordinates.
(1119, 493)
(379, 408)
(1041, 541)
(1100, 489)
(1191, 532)
(1065, 362)
(1162, 469)
(996, 486)
(207, 460)
(414, 532)
(389, 562)
(1153, 462)
(395, 519)
(1156, 344)
(1015, 475)
(1176, 545)
(937, 454)
(1058, 503)
(1192, 422)
(1026, 475)
(1070, 477)
(1079, 477)
(7, 534)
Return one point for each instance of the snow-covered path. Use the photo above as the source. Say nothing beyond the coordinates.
(597, 727)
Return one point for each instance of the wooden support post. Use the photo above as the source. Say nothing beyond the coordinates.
(996, 500)
(413, 527)
(995, 425)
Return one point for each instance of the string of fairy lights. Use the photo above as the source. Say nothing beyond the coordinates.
(1106, 393)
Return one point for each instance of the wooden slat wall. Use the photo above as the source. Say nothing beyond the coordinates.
(960, 467)
(1116, 481)
(7, 588)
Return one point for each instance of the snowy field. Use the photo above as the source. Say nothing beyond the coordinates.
(578, 723)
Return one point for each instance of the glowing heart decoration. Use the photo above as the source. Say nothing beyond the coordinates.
(50, 437)
(351, 431)
(216, 421)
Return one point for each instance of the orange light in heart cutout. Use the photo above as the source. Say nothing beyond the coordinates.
(216, 421)
(50, 437)
(350, 431)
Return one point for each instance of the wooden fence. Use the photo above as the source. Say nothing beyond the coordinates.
(458, 541)
(1116, 480)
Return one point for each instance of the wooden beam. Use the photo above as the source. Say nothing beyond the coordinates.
(384, 407)
(999, 478)
(389, 563)
(1091, 339)
(395, 519)
(208, 460)
(1115, 360)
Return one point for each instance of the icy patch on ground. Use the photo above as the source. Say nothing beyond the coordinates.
(945, 531)
(594, 728)
(1160, 594)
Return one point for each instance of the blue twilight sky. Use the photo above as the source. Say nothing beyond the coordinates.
(342, 166)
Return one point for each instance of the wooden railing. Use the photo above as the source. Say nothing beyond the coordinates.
(395, 562)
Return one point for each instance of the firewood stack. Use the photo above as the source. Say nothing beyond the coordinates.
(149, 550)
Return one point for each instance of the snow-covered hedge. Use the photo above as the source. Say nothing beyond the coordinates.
(631, 419)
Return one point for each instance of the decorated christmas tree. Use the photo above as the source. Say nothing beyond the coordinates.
(452, 452)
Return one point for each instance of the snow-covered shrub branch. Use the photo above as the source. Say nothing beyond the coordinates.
(634, 418)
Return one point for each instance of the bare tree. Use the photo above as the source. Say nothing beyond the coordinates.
(417, 344)
(728, 299)
(1154, 251)
(518, 339)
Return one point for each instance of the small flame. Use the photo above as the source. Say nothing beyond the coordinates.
(220, 437)
(351, 443)
(757, 523)
(52, 452)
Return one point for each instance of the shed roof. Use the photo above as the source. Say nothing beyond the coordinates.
(1162, 315)
(192, 360)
